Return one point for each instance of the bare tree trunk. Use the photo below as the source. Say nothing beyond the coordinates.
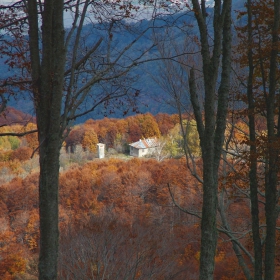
(47, 56)
(211, 129)
(273, 153)
(253, 156)
(47, 77)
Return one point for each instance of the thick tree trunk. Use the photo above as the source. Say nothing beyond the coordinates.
(208, 222)
(48, 197)
(273, 153)
(271, 217)
(48, 78)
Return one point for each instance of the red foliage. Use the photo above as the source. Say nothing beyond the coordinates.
(166, 122)
(74, 138)
(21, 154)
(123, 207)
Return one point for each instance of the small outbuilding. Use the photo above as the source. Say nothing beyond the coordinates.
(101, 150)
(143, 147)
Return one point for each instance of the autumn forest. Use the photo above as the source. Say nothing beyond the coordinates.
(117, 215)
(204, 204)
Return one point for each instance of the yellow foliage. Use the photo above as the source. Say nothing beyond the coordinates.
(90, 139)
(149, 126)
(32, 231)
(15, 264)
(5, 143)
(15, 166)
(193, 138)
(5, 156)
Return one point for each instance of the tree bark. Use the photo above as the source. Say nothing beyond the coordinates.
(211, 132)
(273, 154)
(253, 155)
(48, 79)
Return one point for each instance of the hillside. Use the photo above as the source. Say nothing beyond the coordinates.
(140, 77)
(13, 116)
(117, 215)
(152, 97)
(116, 218)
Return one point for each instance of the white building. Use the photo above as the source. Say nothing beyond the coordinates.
(143, 147)
(101, 150)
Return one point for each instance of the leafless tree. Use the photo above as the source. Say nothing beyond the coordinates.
(62, 72)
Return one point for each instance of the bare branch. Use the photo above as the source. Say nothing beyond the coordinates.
(180, 207)
(195, 104)
(19, 134)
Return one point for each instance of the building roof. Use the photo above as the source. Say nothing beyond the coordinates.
(145, 143)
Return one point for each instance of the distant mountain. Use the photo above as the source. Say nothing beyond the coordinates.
(152, 97)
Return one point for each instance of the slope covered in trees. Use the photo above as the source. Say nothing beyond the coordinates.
(117, 219)
(21, 152)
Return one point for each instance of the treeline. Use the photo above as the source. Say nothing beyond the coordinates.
(117, 221)
(19, 155)
(118, 133)
(115, 133)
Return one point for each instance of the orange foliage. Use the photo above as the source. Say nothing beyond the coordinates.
(32, 139)
(11, 265)
(126, 204)
(148, 125)
(22, 154)
(90, 139)
(116, 132)
(166, 122)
